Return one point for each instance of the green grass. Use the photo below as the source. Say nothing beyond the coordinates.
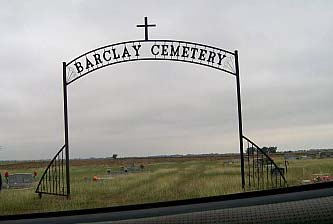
(160, 182)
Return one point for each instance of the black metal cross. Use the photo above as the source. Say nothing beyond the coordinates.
(146, 27)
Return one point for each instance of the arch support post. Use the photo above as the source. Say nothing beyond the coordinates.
(240, 122)
(64, 83)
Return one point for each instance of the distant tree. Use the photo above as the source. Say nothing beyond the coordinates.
(114, 156)
(265, 149)
(250, 150)
(271, 149)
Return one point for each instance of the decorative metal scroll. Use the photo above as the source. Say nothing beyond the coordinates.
(261, 171)
(53, 180)
(143, 50)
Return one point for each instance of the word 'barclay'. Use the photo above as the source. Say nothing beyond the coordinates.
(150, 50)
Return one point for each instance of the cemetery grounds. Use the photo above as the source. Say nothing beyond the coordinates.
(162, 179)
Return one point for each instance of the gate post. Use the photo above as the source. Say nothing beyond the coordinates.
(64, 83)
(240, 123)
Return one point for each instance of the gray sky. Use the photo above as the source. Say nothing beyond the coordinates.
(151, 108)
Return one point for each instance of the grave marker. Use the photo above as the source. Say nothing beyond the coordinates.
(20, 180)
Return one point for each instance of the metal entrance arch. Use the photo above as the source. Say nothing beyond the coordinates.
(56, 179)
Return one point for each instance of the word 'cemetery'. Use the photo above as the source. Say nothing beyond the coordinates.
(151, 50)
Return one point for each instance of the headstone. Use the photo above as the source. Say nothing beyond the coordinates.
(125, 170)
(290, 157)
(20, 180)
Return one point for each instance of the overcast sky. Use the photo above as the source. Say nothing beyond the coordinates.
(152, 108)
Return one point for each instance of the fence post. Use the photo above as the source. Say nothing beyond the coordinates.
(64, 82)
(240, 123)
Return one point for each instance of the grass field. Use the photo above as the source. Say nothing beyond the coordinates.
(161, 181)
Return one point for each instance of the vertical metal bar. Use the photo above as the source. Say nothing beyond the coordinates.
(43, 188)
(47, 181)
(266, 175)
(240, 123)
(280, 179)
(285, 174)
(52, 173)
(62, 171)
(262, 171)
(58, 174)
(248, 163)
(271, 174)
(258, 169)
(64, 82)
(276, 178)
(253, 177)
(55, 175)
(53, 178)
